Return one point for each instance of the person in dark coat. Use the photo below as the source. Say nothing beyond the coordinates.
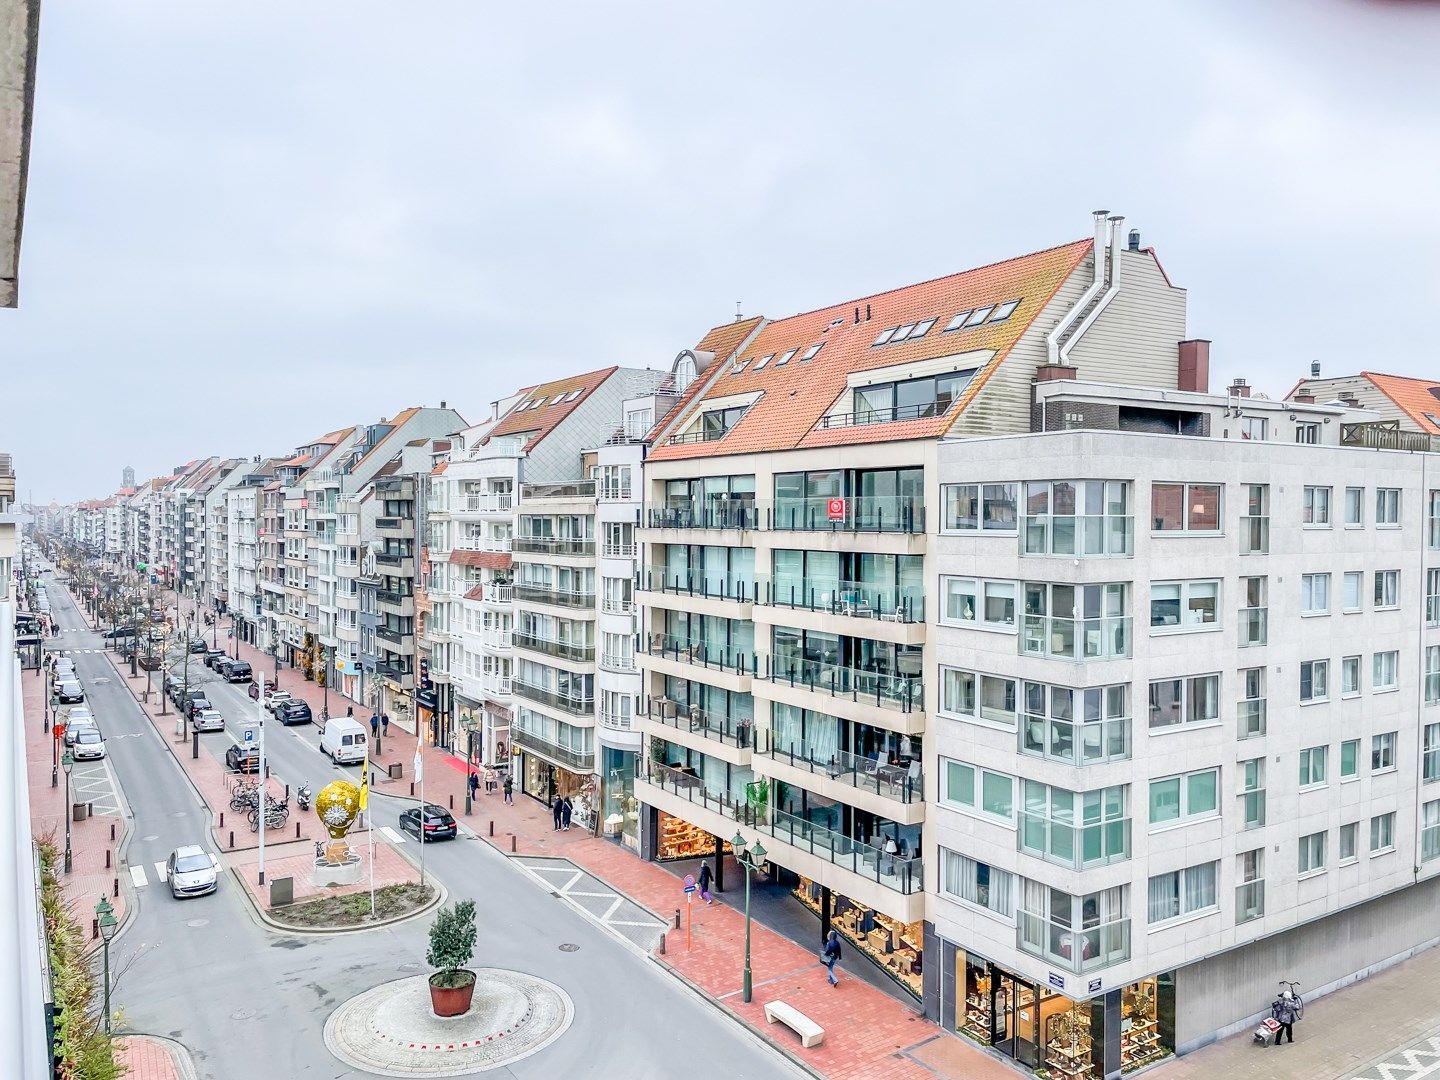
(830, 956)
(557, 809)
(350, 710)
(385, 724)
(509, 790)
(374, 726)
(1286, 1010)
(474, 783)
(704, 883)
(565, 811)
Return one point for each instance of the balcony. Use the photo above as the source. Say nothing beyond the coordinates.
(391, 564)
(854, 599)
(393, 602)
(695, 514)
(569, 489)
(578, 706)
(497, 685)
(619, 551)
(565, 650)
(613, 493)
(484, 543)
(900, 783)
(497, 594)
(739, 664)
(617, 721)
(698, 583)
(887, 690)
(578, 760)
(395, 642)
(1104, 638)
(894, 414)
(498, 503)
(554, 545)
(738, 732)
(397, 672)
(539, 594)
(612, 605)
(497, 640)
(621, 662)
(1078, 950)
(868, 513)
(396, 527)
(1073, 742)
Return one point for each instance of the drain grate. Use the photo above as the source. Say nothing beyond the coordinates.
(569, 947)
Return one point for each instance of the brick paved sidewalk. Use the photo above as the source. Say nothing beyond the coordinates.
(297, 861)
(145, 1058)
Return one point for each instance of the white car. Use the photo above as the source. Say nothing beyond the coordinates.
(191, 871)
(89, 746)
(74, 727)
(207, 720)
(78, 713)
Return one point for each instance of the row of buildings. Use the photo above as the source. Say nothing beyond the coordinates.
(1085, 700)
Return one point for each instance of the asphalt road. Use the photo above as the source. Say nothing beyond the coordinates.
(248, 1001)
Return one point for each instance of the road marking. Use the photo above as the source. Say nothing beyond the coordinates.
(394, 836)
(137, 877)
(160, 871)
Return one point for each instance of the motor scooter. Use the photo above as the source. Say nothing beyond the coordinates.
(302, 797)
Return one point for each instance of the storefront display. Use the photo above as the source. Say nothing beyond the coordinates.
(895, 946)
(1068, 1048)
(1140, 1035)
(678, 839)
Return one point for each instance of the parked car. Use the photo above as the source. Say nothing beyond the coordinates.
(274, 699)
(119, 632)
(240, 671)
(293, 711)
(88, 746)
(207, 719)
(191, 871)
(243, 758)
(197, 704)
(439, 824)
(343, 741)
(258, 688)
(77, 713)
(213, 658)
(222, 667)
(64, 668)
(73, 729)
(69, 691)
(199, 645)
(157, 633)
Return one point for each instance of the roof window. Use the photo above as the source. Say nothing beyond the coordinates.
(958, 321)
(557, 399)
(740, 366)
(883, 338)
(786, 358)
(978, 316)
(902, 333)
(574, 394)
(811, 352)
(1432, 418)
(922, 328)
(763, 361)
(1004, 311)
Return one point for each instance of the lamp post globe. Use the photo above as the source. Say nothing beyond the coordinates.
(105, 916)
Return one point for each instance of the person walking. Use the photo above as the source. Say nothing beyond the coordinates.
(509, 790)
(556, 810)
(374, 726)
(474, 782)
(1286, 1009)
(830, 956)
(489, 781)
(565, 811)
(704, 882)
(385, 724)
(350, 711)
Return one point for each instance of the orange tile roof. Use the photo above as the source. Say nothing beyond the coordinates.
(491, 560)
(298, 459)
(1414, 397)
(795, 397)
(395, 425)
(538, 423)
(722, 340)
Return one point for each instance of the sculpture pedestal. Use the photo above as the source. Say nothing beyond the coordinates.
(338, 864)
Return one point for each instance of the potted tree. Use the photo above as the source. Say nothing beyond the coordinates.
(452, 944)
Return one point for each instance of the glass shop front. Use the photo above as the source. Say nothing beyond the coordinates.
(895, 946)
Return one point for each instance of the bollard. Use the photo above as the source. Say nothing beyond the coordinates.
(232, 839)
(222, 819)
(112, 830)
(287, 791)
(677, 918)
(107, 858)
(297, 830)
(89, 809)
(372, 778)
(267, 770)
(115, 888)
(492, 826)
(452, 802)
(662, 944)
(412, 789)
(512, 843)
(194, 744)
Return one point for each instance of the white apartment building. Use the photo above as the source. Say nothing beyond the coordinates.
(242, 538)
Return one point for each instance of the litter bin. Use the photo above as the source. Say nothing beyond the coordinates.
(79, 811)
(395, 770)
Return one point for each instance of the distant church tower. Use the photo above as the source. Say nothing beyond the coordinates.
(127, 477)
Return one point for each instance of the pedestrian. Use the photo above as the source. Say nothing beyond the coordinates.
(1286, 1009)
(565, 810)
(350, 711)
(474, 783)
(705, 876)
(556, 810)
(509, 790)
(489, 781)
(374, 726)
(830, 956)
(385, 724)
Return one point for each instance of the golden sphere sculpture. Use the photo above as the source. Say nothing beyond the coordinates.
(337, 806)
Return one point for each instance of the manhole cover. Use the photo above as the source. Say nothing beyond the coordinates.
(569, 947)
(243, 1014)
(198, 922)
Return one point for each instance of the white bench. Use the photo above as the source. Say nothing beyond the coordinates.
(811, 1033)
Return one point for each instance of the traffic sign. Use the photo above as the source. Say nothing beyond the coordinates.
(836, 509)
(59, 730)
(689, 883)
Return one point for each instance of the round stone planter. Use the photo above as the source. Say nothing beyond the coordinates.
(452, 1000)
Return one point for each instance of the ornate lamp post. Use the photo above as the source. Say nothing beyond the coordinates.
(108, 924)
(751, 860)
(68, 763)
(468, 723)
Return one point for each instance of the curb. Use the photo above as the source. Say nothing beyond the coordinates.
(442, 895)
(179, 1053)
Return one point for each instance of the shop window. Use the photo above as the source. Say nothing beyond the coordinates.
(978, 883)
(896, 947)
(1147, 1022)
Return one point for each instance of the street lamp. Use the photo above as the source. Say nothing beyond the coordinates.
(68, 762)
(750, 860)
(468, 723)
(329, 654)
(108, 923)
(52, 707)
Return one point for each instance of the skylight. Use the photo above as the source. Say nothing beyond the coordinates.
(810, 353)
(904, 332)
(884, 337)
(786, 358)
(958, 321)
(978, 316)
(763, 361)
(574, 394)
(1004, 311)
(557, 399)
(1432, 418)
(739, 366)
(921, 329)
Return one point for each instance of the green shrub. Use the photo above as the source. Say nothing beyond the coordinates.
(452, 943)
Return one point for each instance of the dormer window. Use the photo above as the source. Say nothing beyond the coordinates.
(716, 423)
(908, 399)
(684, 372)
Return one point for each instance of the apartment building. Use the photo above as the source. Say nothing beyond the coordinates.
(242, 540)
(789, 588)
(1402, 403)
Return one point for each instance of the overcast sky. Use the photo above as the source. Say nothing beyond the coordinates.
(252, 223)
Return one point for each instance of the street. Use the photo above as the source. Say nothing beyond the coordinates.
(207, 973)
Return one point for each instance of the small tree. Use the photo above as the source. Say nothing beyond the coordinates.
(452, 944)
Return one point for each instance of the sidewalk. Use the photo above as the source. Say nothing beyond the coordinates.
(145, 1058)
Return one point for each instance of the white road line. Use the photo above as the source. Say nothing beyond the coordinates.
(611, 909)
(137, 877)
(653, 924)
(395, 837)
(160, 871)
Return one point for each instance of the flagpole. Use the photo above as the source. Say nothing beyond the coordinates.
(264, 787)
(369, 823)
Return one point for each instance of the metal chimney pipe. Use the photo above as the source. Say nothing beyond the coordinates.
(1117, 230)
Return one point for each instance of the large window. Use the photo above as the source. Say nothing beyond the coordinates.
(1312, 766)
(1312, 853)
(867, 500)
(1079, 727)
(1430, 830)
(974, 602)
(979, 790)
(909, 399)
(1077, 933)
(1315, 508)
(1314, 680)
(716, 423)
(1430, 765)
(977, 883)
(986, 697)
(1191, 508)
(979, 507)
(1074, 828)
(1314, 594)
(1191, 700)
(1178, 798)
(1184, 605)
(1183, 892)
(1077, 518)
(1382, 833)
(1076, 622)
(1432, 674)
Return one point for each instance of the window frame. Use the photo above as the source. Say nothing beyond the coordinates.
(1349, 664)
(1181, 888)
(1386, 592)
(1184, 813)
(984, 493)
(979, 777)
(1388, 659)
(1185, 698)
(1346, 578)
(1317, 858)
(1007, 884)
(1187, 508)
(1184, 601)
(1382, 751)
(1309, 507)
(1307, 758)
(1354, 508)
(1308, 582)
(1388, 503)
(1352, 772)
(981, 594)
(1348, 832)
(1384, 843)
(1322, 666)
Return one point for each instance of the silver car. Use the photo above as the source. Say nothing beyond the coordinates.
(191, 871)
(207, 720)
(89, 746)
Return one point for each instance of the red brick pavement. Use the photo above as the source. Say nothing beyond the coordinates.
(146, 1059)
(298, 860)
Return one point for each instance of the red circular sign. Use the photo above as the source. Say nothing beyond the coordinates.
(836, 509)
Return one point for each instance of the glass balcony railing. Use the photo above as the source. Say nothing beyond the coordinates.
(553, 545)
(697, 583)
(580, 705)
(1252, 626)
(540, 594)
(1250, 718)
(1249, 901)
(867, 513)
(696, 514)
(1105, 638)
(858, 599)
(565, 650)
(583, 760)
(738, 732)
(903, 783)
(565, 489)
(1076, 949)
(1254, 534)
(886, 689)
(706, 655)
(1075, 742)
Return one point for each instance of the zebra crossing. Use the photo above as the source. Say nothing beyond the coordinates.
(1419, 1059)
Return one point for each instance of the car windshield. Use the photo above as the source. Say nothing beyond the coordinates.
(189, 864)
(88, 736)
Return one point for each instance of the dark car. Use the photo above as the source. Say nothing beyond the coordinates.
(199, 645)
(439, 824)
(242, 758)
(213, 658)
(222, 667)
(294, 711)
(239, 671)
(119, 632)
(196, 705)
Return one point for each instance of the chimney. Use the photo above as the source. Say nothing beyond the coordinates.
(1054, 372)
(1194, 366)
(867, 312)
(1349, 398)
(1305, 396)
(1134, 239)
(442, 404)
(1239, 388)
(857, 316)
(1315, 369)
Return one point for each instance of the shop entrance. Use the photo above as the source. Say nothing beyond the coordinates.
(1015, 1017)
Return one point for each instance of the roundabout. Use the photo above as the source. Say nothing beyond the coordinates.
(391, 1030)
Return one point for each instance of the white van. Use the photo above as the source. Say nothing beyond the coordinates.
(343, 741)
